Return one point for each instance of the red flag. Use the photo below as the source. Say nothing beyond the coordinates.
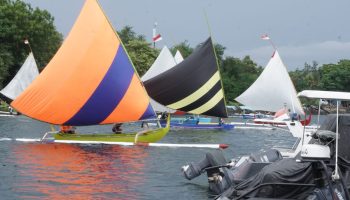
(157, 38)
(265, 37)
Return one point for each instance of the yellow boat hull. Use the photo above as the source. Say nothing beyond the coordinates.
(147, 136)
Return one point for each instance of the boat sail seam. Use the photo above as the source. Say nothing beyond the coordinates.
(210, 104)
(197, 94)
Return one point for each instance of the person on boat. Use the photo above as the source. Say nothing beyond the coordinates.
(10, 110)
(294, 117)
(117, 128)
(144, 125)
(164, 115)
(67, 129)
(221, 121)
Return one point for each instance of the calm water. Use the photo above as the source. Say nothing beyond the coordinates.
(66, 171)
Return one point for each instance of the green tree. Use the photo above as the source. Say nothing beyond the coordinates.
(126, 34)
(238, 75)
(336, 77)
(183, 47)
(140, 51)
(19, 21)
(219, 51)
(307, 78)
(6, 60)
(141, 54)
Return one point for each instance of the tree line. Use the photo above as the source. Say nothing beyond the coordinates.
(19, 21)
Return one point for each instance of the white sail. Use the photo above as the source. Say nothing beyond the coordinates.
(24, 77)
(164, 62)
(272, 90)
(178, 57)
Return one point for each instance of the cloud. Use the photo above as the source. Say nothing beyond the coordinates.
(296, 56)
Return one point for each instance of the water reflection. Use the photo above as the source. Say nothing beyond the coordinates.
(60, 171)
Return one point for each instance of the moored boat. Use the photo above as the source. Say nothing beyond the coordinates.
(318, 171)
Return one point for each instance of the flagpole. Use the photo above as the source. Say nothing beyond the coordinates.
(266, 37)
(272, 44)
(26, 41)
(154, 34)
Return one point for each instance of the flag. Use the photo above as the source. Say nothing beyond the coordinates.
(157, 38)
(280, 112)
(26, 41)
(265, 37)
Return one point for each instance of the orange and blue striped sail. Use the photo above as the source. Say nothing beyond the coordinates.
(90, 80)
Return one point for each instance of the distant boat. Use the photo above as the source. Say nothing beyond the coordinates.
(23, 78)
(272, 91)
(90, 81)
(192, 86)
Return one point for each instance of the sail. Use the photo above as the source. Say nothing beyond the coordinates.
(24, 77)
(272, 90)
(90, 80)
(178, 57)
(164, 61)
(193, 86)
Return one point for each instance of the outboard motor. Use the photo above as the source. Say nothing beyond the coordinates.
(193, 170)
(311, 175)
(223, 174)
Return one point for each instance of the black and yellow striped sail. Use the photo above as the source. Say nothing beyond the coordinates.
(193, 86)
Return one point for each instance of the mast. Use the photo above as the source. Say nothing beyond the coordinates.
(26, 41)
(216, 59)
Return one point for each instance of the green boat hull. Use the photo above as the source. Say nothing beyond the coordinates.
(146, 137)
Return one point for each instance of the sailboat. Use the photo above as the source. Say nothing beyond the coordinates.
(272, 91)
(164, 62)
(23, 78)
(193, 86)
(90, 81)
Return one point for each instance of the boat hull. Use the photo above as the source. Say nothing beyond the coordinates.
(149, 136)
(201, 126)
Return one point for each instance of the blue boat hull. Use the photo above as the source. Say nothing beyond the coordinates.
(200, 126)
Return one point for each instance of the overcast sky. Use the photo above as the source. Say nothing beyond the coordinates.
(302, 30)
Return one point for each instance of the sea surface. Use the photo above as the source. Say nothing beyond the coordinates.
(33, 170)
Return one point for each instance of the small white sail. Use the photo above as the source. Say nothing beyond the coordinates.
(24, 77)
(272, 90)
(164, 62)
(178, 57)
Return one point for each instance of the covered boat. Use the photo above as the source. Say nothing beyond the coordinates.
(311, 176)
(319, 171)
(193, 86)
(90, 81)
